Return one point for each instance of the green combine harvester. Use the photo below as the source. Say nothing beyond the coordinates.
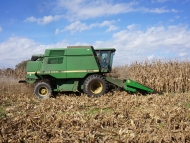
(77, 69)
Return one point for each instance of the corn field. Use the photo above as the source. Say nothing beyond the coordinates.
(168, 76)
(116, 117)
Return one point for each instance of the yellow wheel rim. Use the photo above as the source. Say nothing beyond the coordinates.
(96, 87)
(42, 91)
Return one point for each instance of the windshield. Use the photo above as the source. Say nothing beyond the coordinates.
(105, 59)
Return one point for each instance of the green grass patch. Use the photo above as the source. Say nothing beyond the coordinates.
(138, 108)
(2, 112)
(187, 105)
(33, 101)
(93, 111)
(161, 125)
(8, 103)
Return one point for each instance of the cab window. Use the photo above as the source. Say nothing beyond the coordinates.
(55, 60)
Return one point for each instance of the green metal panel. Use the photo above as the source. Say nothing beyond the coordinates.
(54, 66)
(67, 85)
(75, 86)
(79, 66)
(79, 51)
(76, 63)
(116, 81)
(31, 75)
(132, 84)
(55, 52)
(129, 85)
(80, 47)
(130, 89)
(82, 63)
(31, 81)
(33, 66)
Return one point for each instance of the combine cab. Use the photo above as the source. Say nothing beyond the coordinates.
(76, 68)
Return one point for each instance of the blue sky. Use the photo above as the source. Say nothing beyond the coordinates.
(139, 30)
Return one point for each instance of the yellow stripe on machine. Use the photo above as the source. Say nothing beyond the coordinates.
(63, 71)
(30, 72)
(81, 71)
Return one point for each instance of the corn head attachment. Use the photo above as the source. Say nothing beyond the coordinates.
(130, 85)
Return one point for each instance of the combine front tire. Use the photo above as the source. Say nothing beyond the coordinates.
(42, 90)
(95, 85)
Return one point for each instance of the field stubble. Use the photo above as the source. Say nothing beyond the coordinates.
(114, 117)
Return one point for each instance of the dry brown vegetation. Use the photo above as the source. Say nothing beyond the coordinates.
(114, 117)
(168, 76)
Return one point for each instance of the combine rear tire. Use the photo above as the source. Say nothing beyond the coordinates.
(95, 85)
(42, 90)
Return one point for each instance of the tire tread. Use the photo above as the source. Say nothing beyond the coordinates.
(45, 84)
(95, 77)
